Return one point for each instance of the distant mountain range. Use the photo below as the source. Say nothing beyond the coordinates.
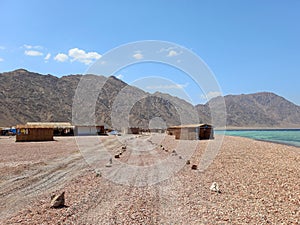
(27, 96)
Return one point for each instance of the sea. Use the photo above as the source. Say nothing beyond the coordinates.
(283, 136)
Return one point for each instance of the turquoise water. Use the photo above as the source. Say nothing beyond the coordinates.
(290, 137)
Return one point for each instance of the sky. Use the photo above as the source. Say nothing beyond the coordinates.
(248, 45)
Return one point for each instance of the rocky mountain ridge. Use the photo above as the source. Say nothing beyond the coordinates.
(27, 96)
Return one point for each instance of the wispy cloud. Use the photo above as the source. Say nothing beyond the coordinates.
(2, 47)
(138, 55)
(33, 53)
(120, 76)
(167, 86)
(172, 53)
(38, 47)
(210, 95)
(80, 55)
(1, 59)
(47, 57)
(61, 57)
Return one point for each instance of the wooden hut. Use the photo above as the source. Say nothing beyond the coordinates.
(192, 132)
(133, 130)
(59, 128)
(34, 133)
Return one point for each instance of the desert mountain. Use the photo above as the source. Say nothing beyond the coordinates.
(27, 96)
(84, 99)
(262, 109)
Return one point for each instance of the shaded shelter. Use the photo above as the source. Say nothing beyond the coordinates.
(192, 131)
(34, 133)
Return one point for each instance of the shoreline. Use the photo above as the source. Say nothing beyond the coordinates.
(255, 128)
(268, 141)
(283, 142)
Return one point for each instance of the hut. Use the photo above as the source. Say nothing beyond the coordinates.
(5, 131)
(34, 133)
(192, 132)
(133, 130)
(157, 130)
(59, 128)
(89, 130)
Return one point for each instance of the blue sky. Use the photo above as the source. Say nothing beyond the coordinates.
(250, 45)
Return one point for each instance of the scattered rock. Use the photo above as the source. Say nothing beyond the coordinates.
(194, 167)
(117, 156)
(123, 147)
(174, 153)
(188, 162)
(58, 201)
(109, 164)
(215, 187)
(180, 157)
(98, 173)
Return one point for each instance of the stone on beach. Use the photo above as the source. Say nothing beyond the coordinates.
(194, 167)
(215, 187)
(109, 164)
(58, 201)
(98, 173)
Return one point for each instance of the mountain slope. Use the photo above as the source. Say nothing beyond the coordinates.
(262, 109)
(27, 96)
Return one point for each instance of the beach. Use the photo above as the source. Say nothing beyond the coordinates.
(258, 181)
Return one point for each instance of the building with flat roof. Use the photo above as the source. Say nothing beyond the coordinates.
(192, 131)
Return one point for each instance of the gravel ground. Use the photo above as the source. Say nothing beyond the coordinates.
(259, 184)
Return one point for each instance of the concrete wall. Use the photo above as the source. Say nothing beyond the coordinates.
(85, 130)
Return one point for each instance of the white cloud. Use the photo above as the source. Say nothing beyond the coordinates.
(82, 56)
(2, 47)
(120, 76)
(211, 94)
(138, 55)
(1, 59)
(61, 57)
(166, 49)
(33, 53)
(167, 86)
(172, 53)
(47, 57)
(33, 46)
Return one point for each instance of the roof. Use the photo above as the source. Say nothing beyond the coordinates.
(94, 125)
(33, 126)
(190, 126)
(51, 124)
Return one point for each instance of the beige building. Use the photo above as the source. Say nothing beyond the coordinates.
(192, 132)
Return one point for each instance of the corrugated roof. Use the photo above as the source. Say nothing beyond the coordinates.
(33, 126)
(190, 126)
(51, 124)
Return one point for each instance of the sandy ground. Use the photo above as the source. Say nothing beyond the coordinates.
(259, 182)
